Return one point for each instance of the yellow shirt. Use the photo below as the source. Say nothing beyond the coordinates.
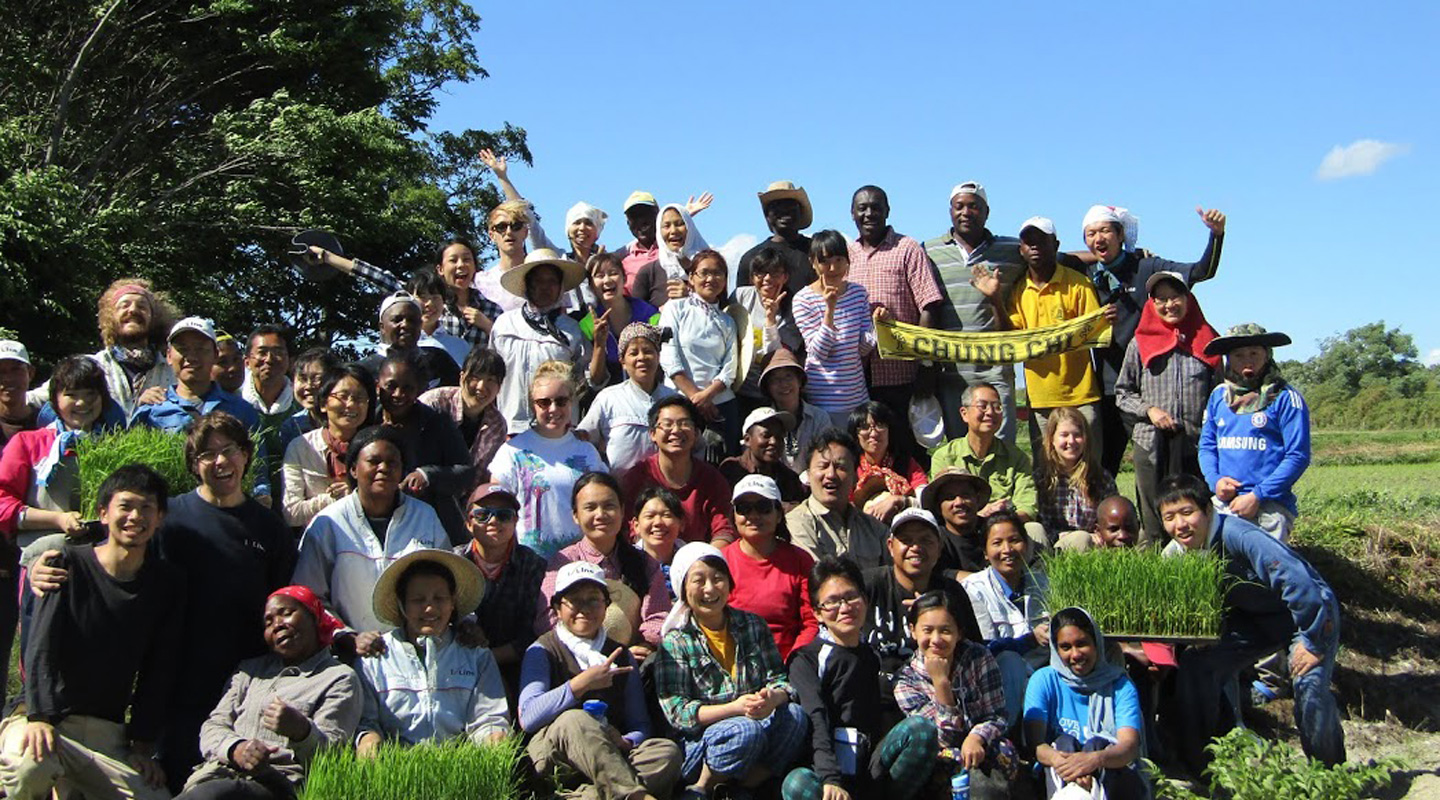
(1063, 379)
(722, 646)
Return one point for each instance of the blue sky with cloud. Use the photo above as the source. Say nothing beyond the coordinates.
(1313, 126)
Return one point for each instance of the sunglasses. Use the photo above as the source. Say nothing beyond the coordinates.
(748, 507)
(557, 402)
(506, 227)
(484, 514)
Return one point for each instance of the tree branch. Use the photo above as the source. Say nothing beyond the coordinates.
(62, 105)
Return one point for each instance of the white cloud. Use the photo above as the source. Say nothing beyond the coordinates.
(1361, 157)
(733, 249)
(1433, 357)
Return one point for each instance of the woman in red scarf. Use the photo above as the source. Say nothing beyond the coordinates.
(1164, 383)
(887, 480)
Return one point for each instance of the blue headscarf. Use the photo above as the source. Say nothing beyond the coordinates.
(1099, 683)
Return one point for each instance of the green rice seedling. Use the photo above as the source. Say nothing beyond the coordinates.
(453, 770)
(163, 452)
(1134, 592)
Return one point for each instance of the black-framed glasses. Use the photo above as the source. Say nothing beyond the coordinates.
(484, 514)
(833, 604)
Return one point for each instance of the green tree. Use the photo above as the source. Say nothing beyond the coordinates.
(1365, 355)
(187, 142)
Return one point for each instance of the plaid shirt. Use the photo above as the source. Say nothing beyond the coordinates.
(979, 696)
(507, 609)
(687, 676)
(897, 275)
(1178, 383)
(1067, 508)
(451, 320)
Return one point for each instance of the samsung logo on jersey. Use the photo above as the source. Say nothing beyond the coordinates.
(1240, 443)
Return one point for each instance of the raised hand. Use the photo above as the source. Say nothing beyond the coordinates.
(772, 307)
(602, 327)
(600, 676)
(986, 281)
(695, 204)
(1213, 220)
(497, 164)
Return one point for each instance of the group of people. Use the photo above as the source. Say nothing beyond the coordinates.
(681, 536)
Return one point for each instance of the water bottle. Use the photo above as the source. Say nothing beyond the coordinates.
(596, 709)
(960, 784)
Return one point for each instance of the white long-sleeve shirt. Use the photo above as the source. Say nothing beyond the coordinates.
(704, 345)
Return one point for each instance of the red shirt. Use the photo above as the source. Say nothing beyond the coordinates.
(777, 590)
(706, 499)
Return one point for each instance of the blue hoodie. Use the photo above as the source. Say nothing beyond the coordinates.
(1266, 451)
(1277, 592)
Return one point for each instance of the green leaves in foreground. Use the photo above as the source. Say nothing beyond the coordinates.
(163, 452)
(1247, 767)
(454, 770)
(1140, 592)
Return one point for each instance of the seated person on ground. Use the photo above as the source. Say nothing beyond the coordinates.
(1116, 525)
(772, 576)
(279, 709)
(425, 685)
(827, 523)
(570, 669)
(954, 497)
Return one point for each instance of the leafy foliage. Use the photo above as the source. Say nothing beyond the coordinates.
(1139, 591)
(1247, 767)
(454, 770)
(187, 142)
(1368, 378)
(161, 451)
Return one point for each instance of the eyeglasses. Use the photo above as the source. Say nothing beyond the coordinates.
(485, 514)
(667, 425)
(346, 398)
(593, 604)
(547, 402)
(211, 456)
(833, 604)
(748, 507)
(981, 405)
(506, 227)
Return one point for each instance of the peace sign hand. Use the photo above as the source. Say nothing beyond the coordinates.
(600, 676)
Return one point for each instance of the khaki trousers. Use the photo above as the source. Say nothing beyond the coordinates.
(91, 756)
(577, 742)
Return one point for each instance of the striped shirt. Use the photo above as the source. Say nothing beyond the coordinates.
(896, 274)
(834, 361)
(965, 308)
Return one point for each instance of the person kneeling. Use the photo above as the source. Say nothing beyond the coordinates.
(1082, 715)
(425, 685)
(575, 679)
(280, 709)
(836, 677)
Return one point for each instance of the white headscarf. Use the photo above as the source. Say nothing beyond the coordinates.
(1128, 222)
(583, 210)
(694, 242)
(680, 565)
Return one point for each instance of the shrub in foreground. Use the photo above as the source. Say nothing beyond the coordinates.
(1247, 767)
(454, 770)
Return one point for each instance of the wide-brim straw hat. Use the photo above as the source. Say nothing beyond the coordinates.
(469, 584)
(787, 190)
(1246, 334)
(930, 495)
(571, 273)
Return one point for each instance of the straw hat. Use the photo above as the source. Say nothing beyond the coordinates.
(469, 584)
(787, 190)
(571, 273)
(930, 495)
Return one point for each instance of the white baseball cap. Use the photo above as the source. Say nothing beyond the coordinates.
(763, 485)
(198, 324)
(913, 515)
(1042, 224)
(969, 187)
(11, 350)
(765, 414)
(578, 572)
(1165, 275)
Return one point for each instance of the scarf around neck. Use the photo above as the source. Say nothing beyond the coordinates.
(1099, 684)
(491, 570)
(1155, 338)
(335, 452)
(1246, 399)
(587, 652)
(545, 321)
(64, 444)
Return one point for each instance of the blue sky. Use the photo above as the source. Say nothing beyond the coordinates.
(1053, 106)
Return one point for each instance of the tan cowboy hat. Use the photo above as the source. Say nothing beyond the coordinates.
(469, 584)
(787, 190)
(930, 495)
(571, 273)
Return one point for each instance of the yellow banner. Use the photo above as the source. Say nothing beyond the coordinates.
(913, 343)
